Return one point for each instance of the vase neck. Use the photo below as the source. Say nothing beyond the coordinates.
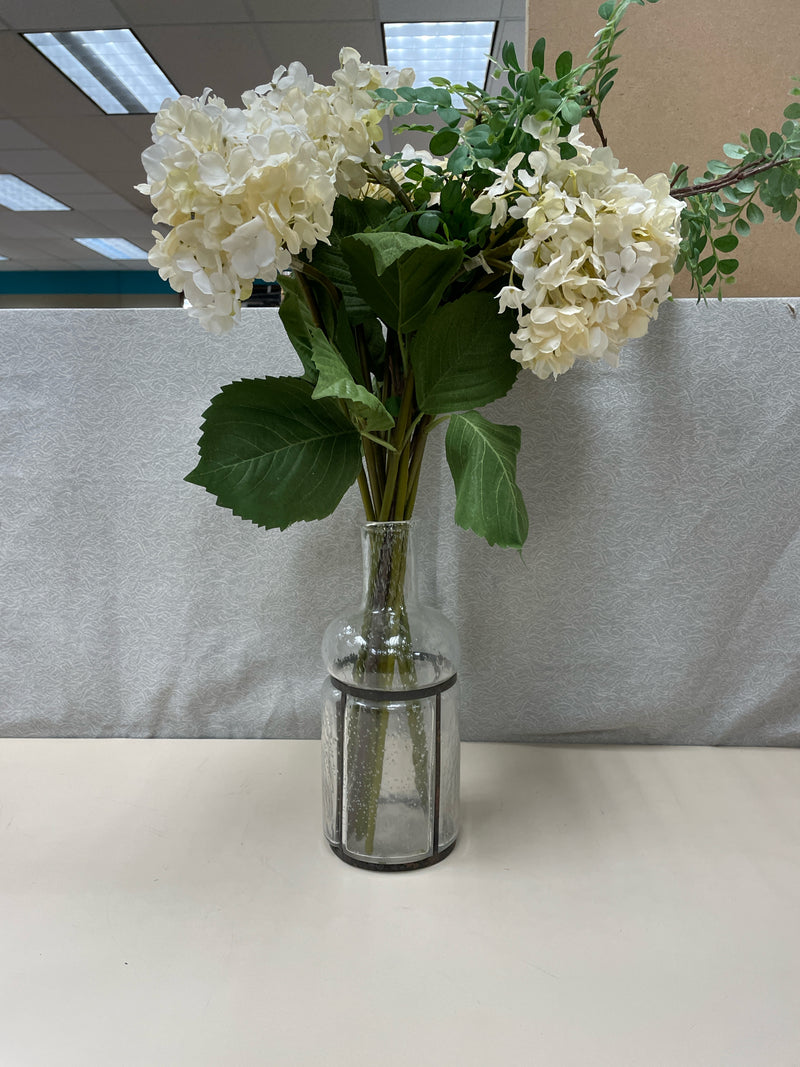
(389, 571)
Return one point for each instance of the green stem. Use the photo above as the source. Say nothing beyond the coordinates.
(366, 498)
(388, 504)
(418, 450)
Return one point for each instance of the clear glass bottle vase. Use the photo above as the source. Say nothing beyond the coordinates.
(390, 744)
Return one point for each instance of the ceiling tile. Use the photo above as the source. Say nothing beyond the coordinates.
(317, 46)
(184, 12)
(35, 161)
(89, 142)
(24, 15)
(438, 10)
(136, 227)
(309, 10)
(230, 59)
(100, 202)
(12, 135)
(31, 85)
(26, 224)
(61, 184)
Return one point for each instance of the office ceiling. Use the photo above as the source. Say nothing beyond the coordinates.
(57, 139)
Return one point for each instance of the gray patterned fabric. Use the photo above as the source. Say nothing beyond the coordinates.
(657, 600)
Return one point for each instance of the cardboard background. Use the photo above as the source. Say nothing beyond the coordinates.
(692, 77)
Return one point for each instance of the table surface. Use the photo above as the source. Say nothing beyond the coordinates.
(172, 902)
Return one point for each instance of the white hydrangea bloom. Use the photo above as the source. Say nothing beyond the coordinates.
(245, 189)
(598, 257)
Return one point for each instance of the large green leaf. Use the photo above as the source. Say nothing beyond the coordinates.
(349, 216)
(461, 355)
(483, 461)
(297, 321)
(274, 455)
(400, 276)
(335, 380)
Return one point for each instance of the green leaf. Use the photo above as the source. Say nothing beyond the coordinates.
(349, 216)
(459, 160)
(734, 151)
(705, 265)
(788, 209)
(335, 380)
(537, 55)
(400, 276)
(297, 320)
(461, 356)
(727, 266)
(758, 141)
(428, 223)
(449, 115)
(483, 462)
(443, 142)
(273, 455)
(606, 10)
(572, 112)
(754, 213)
(792, 111)
(726, 243)
(742, 228)
(563, 64)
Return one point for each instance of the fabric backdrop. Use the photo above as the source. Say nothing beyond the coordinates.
(657, 599)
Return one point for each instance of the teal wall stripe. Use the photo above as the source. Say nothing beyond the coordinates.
(81, 281)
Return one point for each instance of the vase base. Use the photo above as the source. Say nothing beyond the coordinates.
(377, 865)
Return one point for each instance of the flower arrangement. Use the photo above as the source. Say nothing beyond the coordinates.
(417, 285)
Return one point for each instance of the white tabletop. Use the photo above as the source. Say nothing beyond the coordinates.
(169, 903)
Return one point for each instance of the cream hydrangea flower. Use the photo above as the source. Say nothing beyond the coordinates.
(245, 189)
(597, 256)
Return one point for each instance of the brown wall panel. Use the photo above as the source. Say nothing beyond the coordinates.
(693, 75)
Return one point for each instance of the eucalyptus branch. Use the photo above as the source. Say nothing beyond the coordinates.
(733, 177)
(384, 178)
(593, 115)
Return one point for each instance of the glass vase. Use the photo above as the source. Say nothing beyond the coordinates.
(390, 744)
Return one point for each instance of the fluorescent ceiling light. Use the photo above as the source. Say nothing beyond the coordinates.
(453, 50)
(19, 196)
(112, 247)
(3, 257)
(110, 66)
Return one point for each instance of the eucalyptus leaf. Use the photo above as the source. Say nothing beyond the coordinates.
(727, 242)
(483, 462)
(443, 142)
(758, 141)
(273, 455)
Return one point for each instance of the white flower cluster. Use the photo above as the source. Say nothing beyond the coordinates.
(245, 189)
(598, 256)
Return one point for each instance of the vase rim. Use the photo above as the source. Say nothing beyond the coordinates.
(389, 522)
